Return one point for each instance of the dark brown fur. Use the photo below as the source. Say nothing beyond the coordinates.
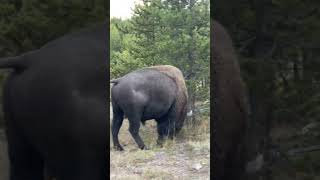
(230, 107)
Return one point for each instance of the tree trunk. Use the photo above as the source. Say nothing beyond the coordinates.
(262, 92)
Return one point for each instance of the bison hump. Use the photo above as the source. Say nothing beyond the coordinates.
(175, 74)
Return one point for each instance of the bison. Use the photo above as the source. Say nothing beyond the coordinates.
(230, 108)
(157, 92)
(55, 105)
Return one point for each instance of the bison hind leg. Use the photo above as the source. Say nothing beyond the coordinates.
(25, 161)
(134, 127)
(116, 125)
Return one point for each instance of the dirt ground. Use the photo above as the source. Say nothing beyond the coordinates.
(183, 158)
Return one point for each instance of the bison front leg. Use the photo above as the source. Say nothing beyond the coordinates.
(116, 124)
(134, 126)
(165, 129)
(162, 127)
(166, 126)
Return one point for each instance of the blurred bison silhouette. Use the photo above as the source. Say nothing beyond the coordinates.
(156, 92)
(230, 108)
(55, 110)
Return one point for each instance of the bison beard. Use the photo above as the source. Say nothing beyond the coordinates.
(157, 92)
(229, 108)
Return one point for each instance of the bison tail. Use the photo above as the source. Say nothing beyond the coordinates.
(17, 62)
(11, 62)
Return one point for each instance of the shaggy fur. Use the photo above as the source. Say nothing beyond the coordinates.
(182, 93)
(230, 107)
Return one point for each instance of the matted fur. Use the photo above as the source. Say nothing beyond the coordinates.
(182, 94)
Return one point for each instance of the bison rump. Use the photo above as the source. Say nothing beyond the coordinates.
(148, 91)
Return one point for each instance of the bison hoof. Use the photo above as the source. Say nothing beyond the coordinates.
(171, 136)
(144, 148)
(160, 144)
(118, 148)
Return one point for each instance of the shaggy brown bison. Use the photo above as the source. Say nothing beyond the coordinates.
(157, 92)
(229, 108)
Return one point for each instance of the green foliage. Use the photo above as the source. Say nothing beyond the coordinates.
(165, 32)
(278, 46)
(121, 60)
(288, 70)
(29, 26)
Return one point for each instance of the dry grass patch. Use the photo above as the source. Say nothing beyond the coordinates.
(175, 160)
(202, 146)
(122, 159)
(156, 174)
